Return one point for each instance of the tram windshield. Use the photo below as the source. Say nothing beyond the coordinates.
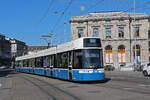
(88, 59)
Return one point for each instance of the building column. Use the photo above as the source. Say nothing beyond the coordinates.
(115, 59)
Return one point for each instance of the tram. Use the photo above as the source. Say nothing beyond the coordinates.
(78, 60)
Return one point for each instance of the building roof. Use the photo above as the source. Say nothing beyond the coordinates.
(36, 48)
(109, 15)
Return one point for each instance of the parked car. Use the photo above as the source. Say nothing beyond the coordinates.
(126, 67)
(139, 68)
(3, 67)
(109, 68)
(146, 70)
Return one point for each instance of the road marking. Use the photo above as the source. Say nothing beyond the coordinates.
(0, 84)
(144, 85)
(127, 88)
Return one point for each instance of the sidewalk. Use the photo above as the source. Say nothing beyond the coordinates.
(124, 74)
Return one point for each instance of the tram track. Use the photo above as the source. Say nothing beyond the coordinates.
(52, 91)
(51, 97)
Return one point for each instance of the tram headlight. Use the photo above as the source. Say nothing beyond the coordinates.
(101, 71)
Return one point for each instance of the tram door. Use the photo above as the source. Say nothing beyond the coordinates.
(52, 64)
(45, 71)
(44, 64)
(51, 71)
(70, 59)
(70, 72)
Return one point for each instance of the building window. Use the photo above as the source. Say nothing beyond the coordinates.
(121, 32)
(136, 31)
(80, 33)
(121, 54)
(95, 32)
(108, 33)
(138, 54)
(108, 54)
(149, 34)
(149, 44)
(149, 54)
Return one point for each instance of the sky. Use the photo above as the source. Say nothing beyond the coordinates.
(28, 20)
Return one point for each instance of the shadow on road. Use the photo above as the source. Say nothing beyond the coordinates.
(5, 72)
(89, 82)
(95, 82)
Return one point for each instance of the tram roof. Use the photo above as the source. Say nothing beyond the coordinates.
(76, 44)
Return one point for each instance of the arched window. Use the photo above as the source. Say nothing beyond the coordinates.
(108, 53)
(138, 53)
(149, 54)
(138, 50)
(121, 54)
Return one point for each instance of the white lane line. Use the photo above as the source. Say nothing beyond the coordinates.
(0, 84)
(127, 88)
(144, 85)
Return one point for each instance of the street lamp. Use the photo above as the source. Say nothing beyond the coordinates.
(65, 36)
(48, 41)
(82, 10)
(134, 25)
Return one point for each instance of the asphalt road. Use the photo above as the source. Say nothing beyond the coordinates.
(118, 86)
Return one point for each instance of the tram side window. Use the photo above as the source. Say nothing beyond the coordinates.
(17, 64)
(26, 63)
(55, 60)
(33, 62)
(39, 62)
(30, 63)
(70, 54)
(52, 60)
(21, 64)
(101, 58)
(46, 61)
(58, 61)
(62, 60)
(77, 59)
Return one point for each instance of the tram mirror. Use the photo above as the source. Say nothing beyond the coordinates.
(70, 67)
(51, 67)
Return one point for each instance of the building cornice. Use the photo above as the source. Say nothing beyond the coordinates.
(138, 39)
(81, 20)
(109, 16)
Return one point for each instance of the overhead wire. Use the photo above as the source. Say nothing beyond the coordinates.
(70, 3)
(138, 7)
(46, 13)
(96, 4)
(62, 14)
(101, 1)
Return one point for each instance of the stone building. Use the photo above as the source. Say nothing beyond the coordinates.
(118, 31)
(32, 49)
(5, 54)
(4, 46)
(18, 48)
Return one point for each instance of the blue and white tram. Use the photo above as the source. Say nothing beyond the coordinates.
(79, 60)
